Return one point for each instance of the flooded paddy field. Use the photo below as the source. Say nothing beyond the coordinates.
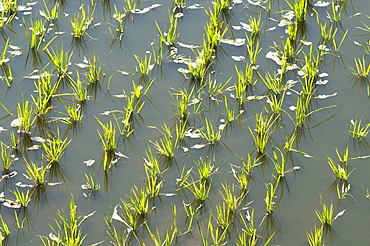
(184, 122)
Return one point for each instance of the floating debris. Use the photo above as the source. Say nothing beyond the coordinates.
(89, 162)
(236, 42)
(16, 122)
(238, 58)
(326, 96)
(321, 4)
(198, 146)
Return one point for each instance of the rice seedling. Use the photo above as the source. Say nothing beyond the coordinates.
(357, 131)
(152, 164)
(144, 64)
(211, 134)
(74, 113)
(81, 22)
(255, 25)
(166, 146)
(170, 36)
(336, 12)
(50, 14)
(326, 215)
(205, 169)
(118, 16)
(45, 92)
(21, 197)
(223, 217)
(4, 230)
(244, 83)
(230, 114)
(130, 5)
(60, 58)
(91, 185)
(153, 184)
(340, 170)
(274, 83)
(279, 163)
(156, 237)
(249, 236)
(36, 174)
(299, 7)
(79, 89)
(26, 116)
(108, 140)
(253, 48)
(231, 200)
(270, 198)
(118, 237)
(200, 189)
(180, 3)
(139, 201)
(38, 32)
(190, 211)
(68, 228)
(263, 131)
(131, 221)
(362, 68)
(94, 72)
(314, 238)
(199, 67)
(6, 159)
(216, 234)
(181, 102)
(54, 148)
(214, 89)
(7, 74)
(275, 103)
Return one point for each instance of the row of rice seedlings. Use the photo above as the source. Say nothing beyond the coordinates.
(68, 228)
